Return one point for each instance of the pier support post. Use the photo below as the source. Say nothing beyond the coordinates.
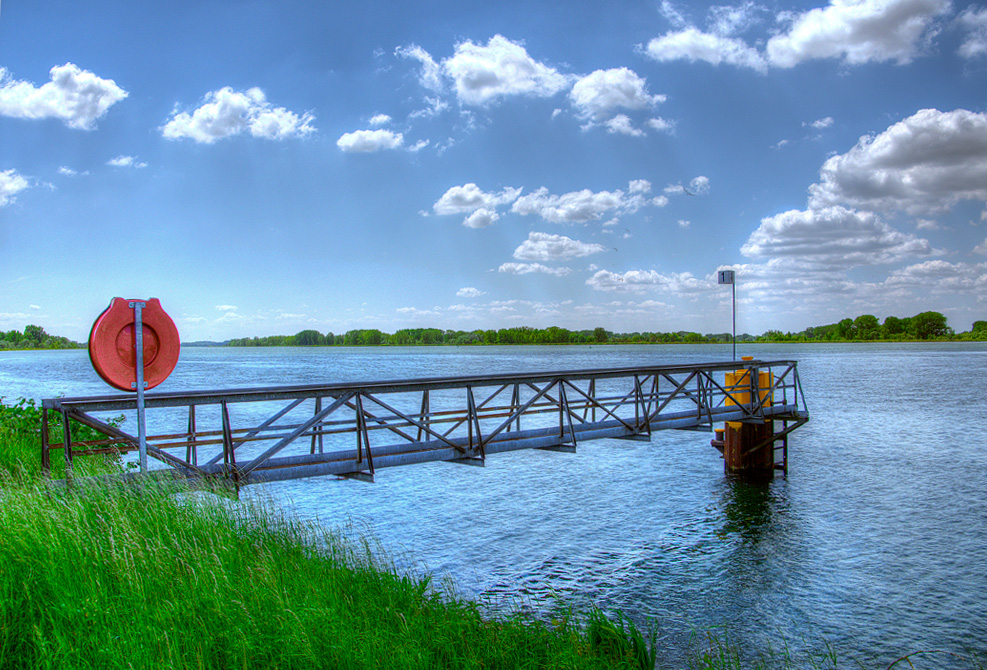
(739, 439)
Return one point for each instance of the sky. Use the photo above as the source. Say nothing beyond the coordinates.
(265, 167)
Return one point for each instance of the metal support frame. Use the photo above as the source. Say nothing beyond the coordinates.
(292, 432)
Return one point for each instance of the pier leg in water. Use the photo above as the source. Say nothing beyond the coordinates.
(739, 439)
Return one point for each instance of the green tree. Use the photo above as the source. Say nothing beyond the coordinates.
(309, 338)
(600, 334)
(928, 325)
(36, 334)
(979, 326)
(867, 327)
(894, 326)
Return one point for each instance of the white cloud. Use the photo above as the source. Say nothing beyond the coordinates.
(622, 125)
(833, 237)
(925, 163)
(482, 74)
(226, 308)
(858, 31)
(981, 248)
(661, 125)
(693, 45)
(470, 198)
(639, 281)
(975, 24)
(597, 95)
(77, 97)
(529, 268)
(819, 124)
(380, 120)
(582, 206)
(700, 185)
(547, 247)
(683, 223)
(225, 113)
(697, 186)
(431, 74)
(639, 186)
(481, 218)
(11, 184)
(126, 161)
(367, 141)
(469, 292)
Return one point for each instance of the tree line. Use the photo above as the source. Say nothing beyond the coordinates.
(35, 337)
(923, 326)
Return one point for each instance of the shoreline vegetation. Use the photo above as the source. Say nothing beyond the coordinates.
(923, 327)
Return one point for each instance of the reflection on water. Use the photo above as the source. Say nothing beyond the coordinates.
(748, 506)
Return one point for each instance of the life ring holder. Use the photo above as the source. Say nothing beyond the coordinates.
(112, 344)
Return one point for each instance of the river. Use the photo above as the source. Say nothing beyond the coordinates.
(875, 543)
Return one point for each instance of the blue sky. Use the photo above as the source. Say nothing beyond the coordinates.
(267, 167)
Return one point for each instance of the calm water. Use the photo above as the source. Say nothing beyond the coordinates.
(875, 543)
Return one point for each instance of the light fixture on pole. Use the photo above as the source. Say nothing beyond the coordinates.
(727, 277)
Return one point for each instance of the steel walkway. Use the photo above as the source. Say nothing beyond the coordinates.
(247, 436)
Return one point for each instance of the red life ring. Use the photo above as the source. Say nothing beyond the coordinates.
(112, 344)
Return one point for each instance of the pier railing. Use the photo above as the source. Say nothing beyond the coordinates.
(353, 430)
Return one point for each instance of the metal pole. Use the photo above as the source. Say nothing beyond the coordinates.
(139, 385)
(733, 292)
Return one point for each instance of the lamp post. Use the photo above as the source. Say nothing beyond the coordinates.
(727, 277)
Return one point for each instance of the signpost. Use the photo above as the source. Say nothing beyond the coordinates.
(728, 277)
(134, 346)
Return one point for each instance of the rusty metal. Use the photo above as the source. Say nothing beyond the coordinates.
(301, 431)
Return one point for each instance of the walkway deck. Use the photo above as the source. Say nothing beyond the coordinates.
(247, 436)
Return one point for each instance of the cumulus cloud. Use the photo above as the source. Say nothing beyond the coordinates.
(225, 113)
(547, 247)
(367, 141)
(925, 163)
(697, 186)
(639, 281)
(76, 96)
(585, 205)
(470, 198)
(975, 24)
(380, 120)
(981, 248)
(481, 218)
(661, 125)
(529, 268)
(11, 184)
(597, 95)
(833, 237)
(693, 45)
(855, 31)
(858, 31)
(482, 74)
(622, 125)
(469, 292)
(126, 161)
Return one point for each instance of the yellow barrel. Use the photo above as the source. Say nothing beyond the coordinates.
(738, 384)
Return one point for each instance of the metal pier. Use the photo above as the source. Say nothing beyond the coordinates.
(248, 436)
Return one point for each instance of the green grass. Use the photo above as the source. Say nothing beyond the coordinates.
(115, 578)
